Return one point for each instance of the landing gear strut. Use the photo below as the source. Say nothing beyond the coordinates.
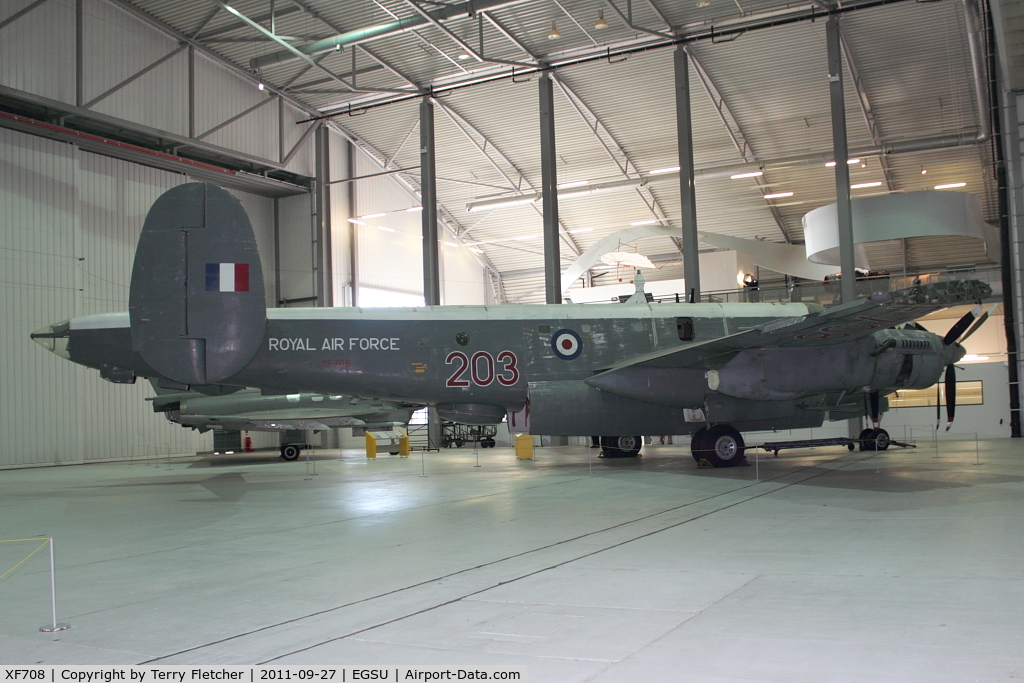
(621, 446)
(720, 445)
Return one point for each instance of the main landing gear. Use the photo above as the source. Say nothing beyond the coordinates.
(621, 446)
(719, 445)
(874, 439)
(291, 451)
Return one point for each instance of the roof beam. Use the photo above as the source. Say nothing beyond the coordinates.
(732, 126)
(865, 108)
(131, 79)
(20, 13)
(468, 130)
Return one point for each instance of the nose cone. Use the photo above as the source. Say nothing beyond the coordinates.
(54, 338)
(958, 352)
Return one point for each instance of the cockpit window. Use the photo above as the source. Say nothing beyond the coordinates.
(684, 326)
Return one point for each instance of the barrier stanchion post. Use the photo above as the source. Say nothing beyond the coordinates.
(54, 626)
(423, 467)
(476, 452)
(977, 451)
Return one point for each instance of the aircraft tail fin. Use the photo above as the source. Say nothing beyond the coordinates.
(196, 300)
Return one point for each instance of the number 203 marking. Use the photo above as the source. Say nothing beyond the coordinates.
(481, 369)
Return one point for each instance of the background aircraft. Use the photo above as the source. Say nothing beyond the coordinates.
(197, 318)
(249, 410)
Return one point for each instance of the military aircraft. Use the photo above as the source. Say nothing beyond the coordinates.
(251, 411)
(197, 318)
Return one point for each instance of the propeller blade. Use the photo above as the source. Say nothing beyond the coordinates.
(874, 408)
(950, 395)
(961, 326)
(979, 322)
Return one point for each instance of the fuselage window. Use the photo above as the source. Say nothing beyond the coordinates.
(684, 326)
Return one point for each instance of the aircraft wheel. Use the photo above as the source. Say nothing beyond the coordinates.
(290, 452)
(392, 452)
(487, 443)
(621, 446)
(878, 440)
(458, 443)
(723, 446)
(697, 443)
(863, 438)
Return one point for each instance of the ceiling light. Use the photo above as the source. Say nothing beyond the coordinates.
(657, 171)
(861, 185)
(949, 185)
(486, 205)
(553, 33)
(357, 221)
(260, 86)
(373, 215)
(475, 250)
(752, 174)
(381, 227)
(776, 195)
(601, 23)
(463, 56)
(703, 3)
(452, 244)
(830, 164)
(575, 183)
(647, 222)
(923, 171)
(579, 230)
(414, 208)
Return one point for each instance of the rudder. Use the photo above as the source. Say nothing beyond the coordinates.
(196, 300)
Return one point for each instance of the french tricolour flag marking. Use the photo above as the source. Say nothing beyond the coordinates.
(227, 277)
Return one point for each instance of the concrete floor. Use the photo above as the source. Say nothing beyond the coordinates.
(836, 566)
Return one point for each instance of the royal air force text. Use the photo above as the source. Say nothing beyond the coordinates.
(334, 344)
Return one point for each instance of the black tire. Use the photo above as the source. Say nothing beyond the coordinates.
(458, 443)
(392, 452)
(290, 452)
(863, 438)
(621, 446)
(487, 443)
(697, 443)
(722, 446)
(878, 440)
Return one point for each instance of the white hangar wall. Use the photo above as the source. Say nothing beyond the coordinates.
(37, 56)
(69, 222)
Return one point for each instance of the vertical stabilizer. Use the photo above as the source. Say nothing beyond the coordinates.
(196, 302)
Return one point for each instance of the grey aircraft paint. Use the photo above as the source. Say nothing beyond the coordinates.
(609, 370)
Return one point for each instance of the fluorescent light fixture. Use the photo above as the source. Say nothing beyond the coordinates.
(776, 195)
(452, 244)
(487, 205)
(373, 215)
(579, 230)
(658, 171)
(575, 183)
(381, 227)
(414, 208)
(476, 250)
(752, 174)
(357, 221)
(260, 86)
(647, 222)
(949, 185)
(862, 185)
(463, 56)
(830, 164)
(522, 238)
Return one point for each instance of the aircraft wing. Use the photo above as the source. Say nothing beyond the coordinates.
(834, 325)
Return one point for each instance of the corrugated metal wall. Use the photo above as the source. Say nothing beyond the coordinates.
(37, 55)
(69, 222)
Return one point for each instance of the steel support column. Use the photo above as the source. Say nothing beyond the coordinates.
(549, 192)
(428, 195)
(840, 151)
(353, 244)
(684, 134)
(324, 271)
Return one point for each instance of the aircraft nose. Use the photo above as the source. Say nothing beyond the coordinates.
(54, 338)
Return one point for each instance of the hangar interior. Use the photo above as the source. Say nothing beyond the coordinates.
(313, 115)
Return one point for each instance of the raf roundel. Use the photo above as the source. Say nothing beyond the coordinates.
(566, 344)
